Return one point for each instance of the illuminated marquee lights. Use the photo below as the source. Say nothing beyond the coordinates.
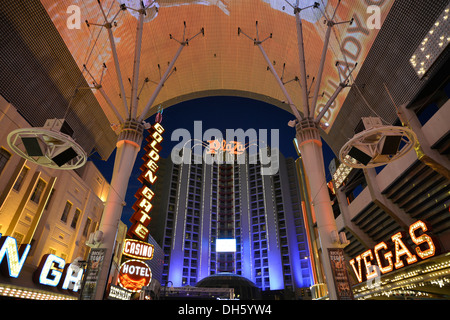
(138, 249)
(48, 272)
(426, 248)
(31, 295)
(141, 218)
(432, 45)
(342, 172)
(12, 253)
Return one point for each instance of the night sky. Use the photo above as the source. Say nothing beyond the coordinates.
(214, 112)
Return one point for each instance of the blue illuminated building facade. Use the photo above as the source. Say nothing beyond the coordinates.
(200, 203)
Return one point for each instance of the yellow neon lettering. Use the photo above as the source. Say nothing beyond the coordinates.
(387, 256)
(151, 177)
(401, 250)
(424, 238)
(367, 263)
(10, 250)
(358, 272)
(147, 193)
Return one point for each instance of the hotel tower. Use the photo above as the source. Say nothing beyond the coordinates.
(228, 218)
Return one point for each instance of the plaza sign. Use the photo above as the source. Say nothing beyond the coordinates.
(52, 271)
(388, 259)
(232, 147)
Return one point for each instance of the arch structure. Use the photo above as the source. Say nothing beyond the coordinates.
(223, 62)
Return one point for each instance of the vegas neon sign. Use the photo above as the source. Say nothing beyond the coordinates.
(389, 257)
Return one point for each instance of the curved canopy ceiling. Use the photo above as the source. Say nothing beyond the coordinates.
(42, 59)
(221, 62)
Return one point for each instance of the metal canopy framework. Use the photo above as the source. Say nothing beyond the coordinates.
(223, 62)
(39, 44)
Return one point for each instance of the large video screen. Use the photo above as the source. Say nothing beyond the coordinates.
(225, 245)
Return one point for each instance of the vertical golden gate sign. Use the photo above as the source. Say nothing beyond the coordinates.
(142, 207)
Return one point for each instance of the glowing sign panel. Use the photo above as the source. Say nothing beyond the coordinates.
(233, 147)
(134, 274)
(141, 218)
(52, 269)
(225, 245)
(12, 253)
(385, 258)
(138, 249)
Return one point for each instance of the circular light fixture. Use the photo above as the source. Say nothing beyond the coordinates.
(47, 148)
(377, 146)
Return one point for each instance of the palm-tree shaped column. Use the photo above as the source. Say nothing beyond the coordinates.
(130, 137)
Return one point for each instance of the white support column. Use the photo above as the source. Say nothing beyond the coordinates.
(310, 146)
(160, 84)
(137, 60)
(320, 72)
(280, 84)
(128, 146)
(301, 55)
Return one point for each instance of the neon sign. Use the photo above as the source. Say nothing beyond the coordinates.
(52, 269)
(49, 273)
(138, 249)
(134, 274)
(232, 147)
(141, 218)
(385, 259)
(12, 253)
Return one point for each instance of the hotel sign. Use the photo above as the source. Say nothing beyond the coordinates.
(389, 258)
(141, 217)
(134, 274)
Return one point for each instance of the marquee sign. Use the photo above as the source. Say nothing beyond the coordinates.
(134, 274)
(52, 271)
(141, 218)
(387, 258)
